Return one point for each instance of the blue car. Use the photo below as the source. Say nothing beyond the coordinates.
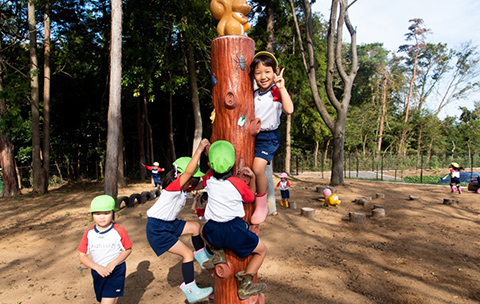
(465, 177)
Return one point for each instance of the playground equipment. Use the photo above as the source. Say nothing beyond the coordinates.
(234, 121)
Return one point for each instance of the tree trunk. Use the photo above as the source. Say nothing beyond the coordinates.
(46, 98)
(235, 122)
(38, 172)
(338, 16)
(288, 144)
(171, 133)
(403, 138)
(122, 182)
(338, 153)
(192, 79)
(114, 105)
(382, 115)
(7, 158)
(141, 132)
(270, 26)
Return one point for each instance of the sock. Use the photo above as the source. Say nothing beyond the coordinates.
(197, 242)
(188, 272)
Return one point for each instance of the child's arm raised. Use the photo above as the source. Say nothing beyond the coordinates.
(287, 103)
(192, 165)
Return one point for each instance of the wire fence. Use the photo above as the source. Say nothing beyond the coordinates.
(384, 166)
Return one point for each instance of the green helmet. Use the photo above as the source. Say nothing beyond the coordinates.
(102, 203)
(221, 156)
(182, 163)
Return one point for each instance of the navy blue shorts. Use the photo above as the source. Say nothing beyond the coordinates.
(110, 286)
(233, 235)
(157, 181)
(162, 235)
(266, 143)
(455, 180)
(285, 193)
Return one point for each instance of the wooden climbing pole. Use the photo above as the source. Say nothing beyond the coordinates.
(235, 122)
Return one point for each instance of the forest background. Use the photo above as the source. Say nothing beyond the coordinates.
(166, 82)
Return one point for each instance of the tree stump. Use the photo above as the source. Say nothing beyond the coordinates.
(380, 195)
(450, 201)
(378, 212)
(414, 198)
(357, 217)
(308, 212)
(360, 201)
(377, 206)
(234, 122)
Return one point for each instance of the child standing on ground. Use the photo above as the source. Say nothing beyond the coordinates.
(455, 177)
(199, 203)
(225, 227)
(155, 169)
(271, 99)
(284, 184)
(104, 248)
(164, 229)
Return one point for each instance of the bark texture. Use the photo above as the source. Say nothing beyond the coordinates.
(234, 122)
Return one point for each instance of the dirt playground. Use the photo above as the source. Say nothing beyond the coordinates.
(421, 251)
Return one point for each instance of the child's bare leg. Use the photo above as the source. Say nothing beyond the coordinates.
(182, 250)
(192, 228)
(259, 165)
(108, 300)
(246, 286)
(258, 256)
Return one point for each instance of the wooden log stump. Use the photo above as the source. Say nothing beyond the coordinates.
(450, 201)
(378, 212)
(293, 204)
(308, 212)
(357, 217)
(414, 198)
(380, 195)
(360, 201)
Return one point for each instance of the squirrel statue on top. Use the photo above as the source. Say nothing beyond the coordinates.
(231, 15)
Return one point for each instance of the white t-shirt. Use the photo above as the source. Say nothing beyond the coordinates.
(170, 203)
(225, 198)
(268, 107)
(104, 246)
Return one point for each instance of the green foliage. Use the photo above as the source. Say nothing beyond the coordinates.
(427, 179)
(154, 69)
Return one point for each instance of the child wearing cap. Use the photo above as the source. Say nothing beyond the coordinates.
(104, 248)
(284, 191)
(271, 99)
(155, 169)
(164, 229)
(455, 177)
(225, 227)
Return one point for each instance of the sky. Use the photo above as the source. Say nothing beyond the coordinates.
(386, 21)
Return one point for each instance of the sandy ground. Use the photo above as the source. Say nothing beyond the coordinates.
(422, 251)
